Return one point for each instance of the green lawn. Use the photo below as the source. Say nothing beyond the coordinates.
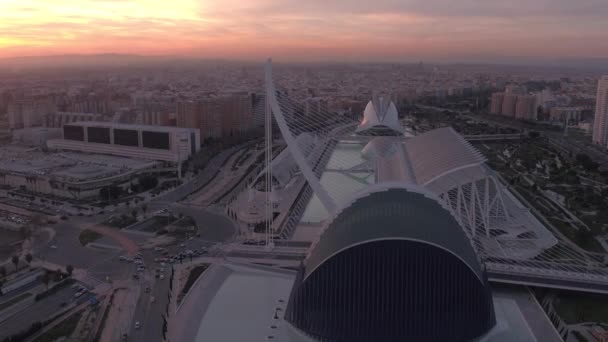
(87, 236)
(576, 308)
(194, 274)
(63, 329)
(14, 300)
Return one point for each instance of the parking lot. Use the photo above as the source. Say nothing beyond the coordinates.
(14, 218)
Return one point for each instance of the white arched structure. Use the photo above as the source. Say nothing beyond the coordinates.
(380, 115)
(344, 161)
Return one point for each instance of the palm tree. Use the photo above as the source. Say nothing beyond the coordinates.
(69, 269)
(45, 279)
(15, 260)
(28, 258)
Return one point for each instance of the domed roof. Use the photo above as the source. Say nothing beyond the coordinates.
(394, 265)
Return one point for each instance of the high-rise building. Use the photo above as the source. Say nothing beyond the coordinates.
(496, 104)
(526, 107)
(571, 115)
(600, 125)
(216, 117)
(26, 113)
(508, 105)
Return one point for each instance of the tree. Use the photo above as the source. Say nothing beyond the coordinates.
(110, 192)
(69, 269)
(15, 260)
(28, 258)
(2, 271)
(147, 182)
(134, 213)
(45, 279)
(144, 208)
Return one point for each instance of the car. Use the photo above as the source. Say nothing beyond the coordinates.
(135, 276)
(75, 286)
(123, 258)
(183, 245)
(162, 264)
(148, 290)
(137, 325)
(162, 269)
(53, 247)
(78, 294)
(152, 299)
(162, 276)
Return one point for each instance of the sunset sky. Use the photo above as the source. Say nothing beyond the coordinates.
(307, 29)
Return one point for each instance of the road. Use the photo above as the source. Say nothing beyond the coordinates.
(38, 312)
(535, 317)
(64, 248)
(557, 138)
(150, 315)
(211, 226)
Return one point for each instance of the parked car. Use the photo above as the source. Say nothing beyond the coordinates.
(137, 325)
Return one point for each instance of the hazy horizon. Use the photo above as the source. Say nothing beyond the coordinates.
(385, 30)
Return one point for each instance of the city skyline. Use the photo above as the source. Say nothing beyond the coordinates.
(387, 30)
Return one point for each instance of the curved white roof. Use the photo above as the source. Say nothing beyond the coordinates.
(439, 152)
(380, 113)
(439, 159)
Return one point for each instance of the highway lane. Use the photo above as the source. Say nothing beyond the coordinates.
(38, 312)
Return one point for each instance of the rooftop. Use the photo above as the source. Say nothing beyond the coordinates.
(235, 302)
(151, 128)
(66, 166)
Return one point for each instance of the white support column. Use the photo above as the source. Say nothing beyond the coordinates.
(486, 210)
(500, 199)
(473, 211)
(292, 145)
(459, 204)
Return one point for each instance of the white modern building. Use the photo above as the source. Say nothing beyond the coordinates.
(163, 143)
(600, 126)
(68, 175)
(380, 117)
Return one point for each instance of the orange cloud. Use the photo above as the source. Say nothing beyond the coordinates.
(312, 29)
